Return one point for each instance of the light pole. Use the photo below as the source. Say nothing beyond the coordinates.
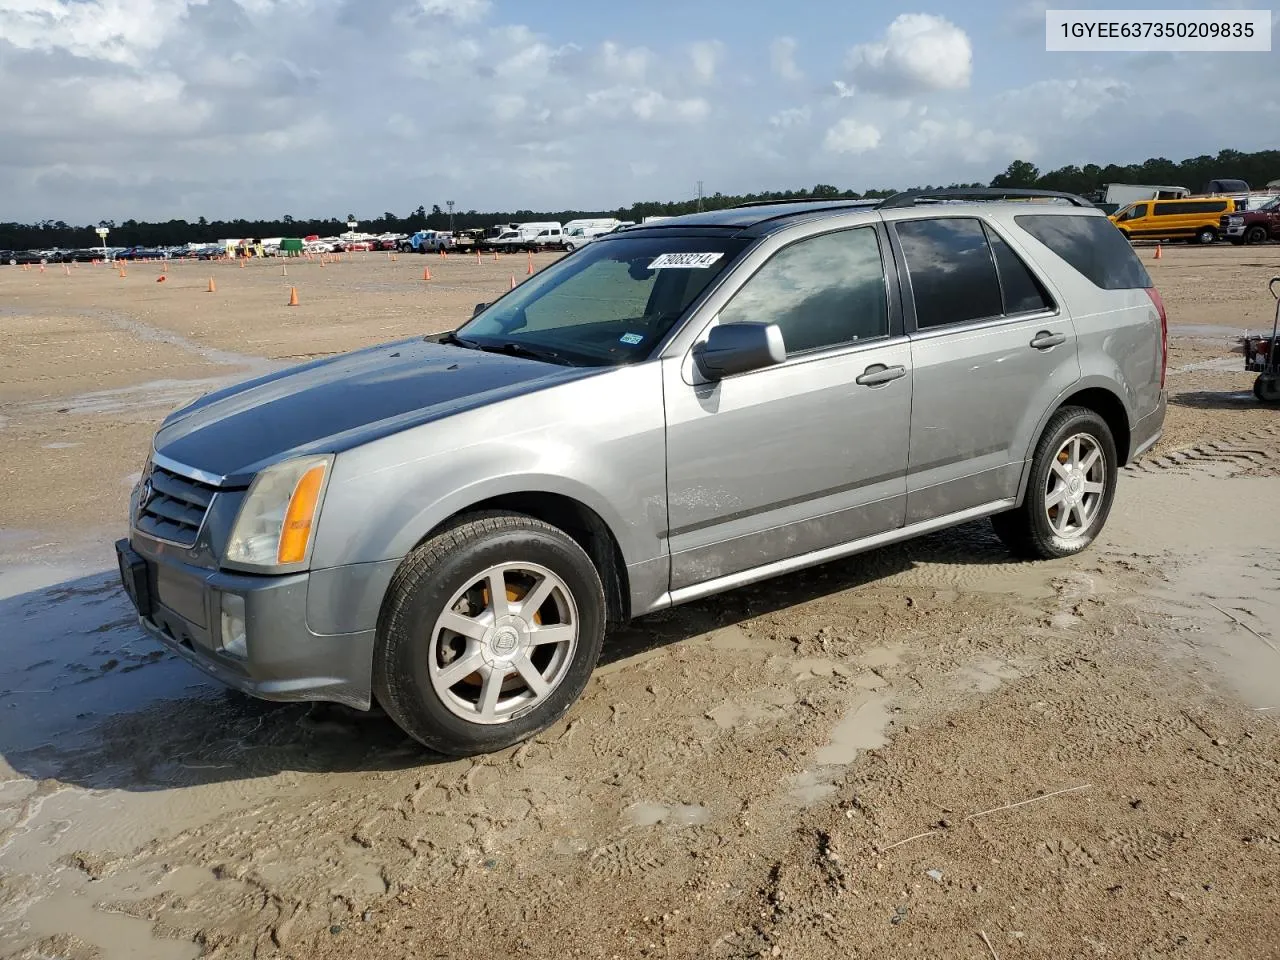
(449, 204)
(352, 223)
(102, 235)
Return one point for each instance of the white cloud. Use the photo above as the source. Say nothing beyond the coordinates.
(460, 11)
(791, 117)
(960, 140)
(782, 58)
(1073, 100)
(623, 64)
(117, 31)
(852, 136)
(844, 90)
(706, 56)
(919, 52)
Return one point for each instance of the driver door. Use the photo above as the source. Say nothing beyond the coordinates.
(783, 461)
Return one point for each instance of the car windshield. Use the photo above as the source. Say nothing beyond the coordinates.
(605, 305)
(1272, 204)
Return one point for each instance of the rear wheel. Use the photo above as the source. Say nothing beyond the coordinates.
(1206, 235)
(489, 633)
(1256, 234)
(1070, 491)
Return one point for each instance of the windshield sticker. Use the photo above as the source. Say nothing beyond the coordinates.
(632, 338)
(684, 261)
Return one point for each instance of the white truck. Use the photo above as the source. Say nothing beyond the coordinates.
(544, 235)
(578, 233)
(1123, 194)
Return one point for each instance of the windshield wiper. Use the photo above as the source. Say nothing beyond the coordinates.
(454, 340)
(512, 349)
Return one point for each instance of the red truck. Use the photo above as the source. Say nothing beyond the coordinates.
(1253, 226)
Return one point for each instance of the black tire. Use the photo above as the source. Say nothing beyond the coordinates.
(1026, 530)
(1206, 235)
(1267, 389)
(1256, 234)
(419, 591)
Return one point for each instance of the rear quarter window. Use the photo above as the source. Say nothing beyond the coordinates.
(1092, 245)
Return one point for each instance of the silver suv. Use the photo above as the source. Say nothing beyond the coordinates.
(448, 524)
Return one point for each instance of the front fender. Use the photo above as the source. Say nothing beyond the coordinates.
(599, 440)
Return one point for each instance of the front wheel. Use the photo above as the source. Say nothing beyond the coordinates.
(488, 634)
(1256, 234)
(1070, 491)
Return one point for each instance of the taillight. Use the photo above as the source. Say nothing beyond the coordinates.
(1158, 303)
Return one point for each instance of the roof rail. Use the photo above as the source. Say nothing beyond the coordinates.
(911, 197)
(824, 200)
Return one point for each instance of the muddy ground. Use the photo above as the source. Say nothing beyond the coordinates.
(928, 751)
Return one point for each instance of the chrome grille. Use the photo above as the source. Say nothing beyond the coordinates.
(172, 507)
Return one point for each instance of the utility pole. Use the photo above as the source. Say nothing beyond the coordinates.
(449, 204)
(699, 196)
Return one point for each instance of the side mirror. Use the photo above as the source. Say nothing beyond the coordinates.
(739, 347)
(478, 310)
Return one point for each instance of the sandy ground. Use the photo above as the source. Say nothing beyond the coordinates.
(928, 751)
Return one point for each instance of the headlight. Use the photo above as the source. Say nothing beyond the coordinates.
(276, 521)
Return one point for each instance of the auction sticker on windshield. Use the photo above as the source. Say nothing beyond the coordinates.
(684, 261)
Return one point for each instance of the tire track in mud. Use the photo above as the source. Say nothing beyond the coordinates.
(1254, 453)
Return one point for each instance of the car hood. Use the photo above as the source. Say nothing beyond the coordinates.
(341, 402)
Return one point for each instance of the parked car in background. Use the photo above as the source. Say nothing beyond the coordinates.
(446, 524)
(1194, 219)
(1253, 226)
(427, 241)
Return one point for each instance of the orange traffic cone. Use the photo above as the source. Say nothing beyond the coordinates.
(284, 269)
(1159, 253)
(393, 258)
(426, 273)
(513, 281)
(529, 272)
(213, 288)
(164, 268)
(161, 279)
(122, 270)
(495, 256)
(242, 262)
(293, 296)
(477, 258)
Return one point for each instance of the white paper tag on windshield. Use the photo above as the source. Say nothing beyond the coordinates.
(684, 261)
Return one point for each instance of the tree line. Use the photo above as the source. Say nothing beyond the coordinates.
(1255, 168)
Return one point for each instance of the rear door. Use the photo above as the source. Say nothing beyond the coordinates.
(990, 350)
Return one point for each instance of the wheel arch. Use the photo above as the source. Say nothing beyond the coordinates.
(1103, 401)
(583, 524)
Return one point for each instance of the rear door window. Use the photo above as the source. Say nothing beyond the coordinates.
(1092, 245)
(1022, 292)
(953, 275)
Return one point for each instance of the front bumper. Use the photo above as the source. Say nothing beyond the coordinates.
(182, 606)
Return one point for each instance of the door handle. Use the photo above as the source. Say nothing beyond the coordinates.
(1044, 340)
(878, 374)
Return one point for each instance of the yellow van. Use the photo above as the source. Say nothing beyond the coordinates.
(1195, 219)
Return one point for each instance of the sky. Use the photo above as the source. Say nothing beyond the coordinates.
(159, 109)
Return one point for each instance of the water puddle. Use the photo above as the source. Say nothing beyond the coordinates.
(169, 394)
(648, 814)
(861, 728)
(223, 358)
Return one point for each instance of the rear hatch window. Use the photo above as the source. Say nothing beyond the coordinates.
(1092, 245)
